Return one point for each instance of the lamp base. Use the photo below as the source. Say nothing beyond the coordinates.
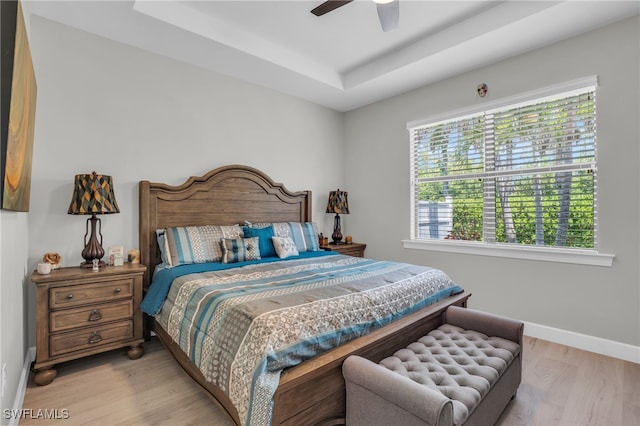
(337, 232)
(88, 264)
(93, 248)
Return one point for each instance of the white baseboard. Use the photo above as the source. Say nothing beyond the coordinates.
(22, 385)
(597, 345)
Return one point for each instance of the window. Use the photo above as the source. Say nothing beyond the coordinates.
(520, 174)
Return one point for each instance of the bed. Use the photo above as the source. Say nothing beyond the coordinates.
(308, 388)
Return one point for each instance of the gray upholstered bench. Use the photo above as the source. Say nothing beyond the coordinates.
(464, 372)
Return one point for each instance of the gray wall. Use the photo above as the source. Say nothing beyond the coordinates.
(14, 286)
(134, 115)
(596, 301)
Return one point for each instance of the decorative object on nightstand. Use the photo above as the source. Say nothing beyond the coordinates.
(80, 313)
(53, 259)
(134, 256)
(44, 268)
(337, 204)
(93, 195)
(116, 256)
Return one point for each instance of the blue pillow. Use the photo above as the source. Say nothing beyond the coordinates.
(264, 241)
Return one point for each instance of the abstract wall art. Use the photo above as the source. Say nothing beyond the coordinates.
(18, 107)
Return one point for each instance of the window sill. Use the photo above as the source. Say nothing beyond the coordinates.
(574, 256)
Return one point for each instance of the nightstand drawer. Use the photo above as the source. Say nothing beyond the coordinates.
(62, 297)
(91, 315)
(63, 343)
(350, 251)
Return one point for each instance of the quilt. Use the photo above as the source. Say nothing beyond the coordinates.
(242, 326)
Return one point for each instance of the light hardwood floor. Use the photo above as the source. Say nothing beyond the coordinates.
(560, 386)
(110, 389)
(567, 386)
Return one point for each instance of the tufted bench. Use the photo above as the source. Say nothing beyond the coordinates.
(464, 372)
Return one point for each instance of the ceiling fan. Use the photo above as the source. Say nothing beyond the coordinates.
(388, 11)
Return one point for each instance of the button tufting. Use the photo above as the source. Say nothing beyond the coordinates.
(460, 364)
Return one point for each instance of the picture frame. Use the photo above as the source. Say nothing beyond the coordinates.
(116, 255)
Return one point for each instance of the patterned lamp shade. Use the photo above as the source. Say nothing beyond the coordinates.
(338, 202)
(93, 193)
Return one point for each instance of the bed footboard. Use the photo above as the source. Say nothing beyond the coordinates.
(313, 393)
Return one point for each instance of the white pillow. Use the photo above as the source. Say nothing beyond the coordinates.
(285, 247)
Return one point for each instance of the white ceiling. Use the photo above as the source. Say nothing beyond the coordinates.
(342, 60)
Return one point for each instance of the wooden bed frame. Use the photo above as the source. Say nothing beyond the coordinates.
(313, 392)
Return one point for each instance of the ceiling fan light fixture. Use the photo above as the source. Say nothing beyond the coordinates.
(388, 11)
(389, 14)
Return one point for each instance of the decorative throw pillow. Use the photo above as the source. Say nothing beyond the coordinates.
(265, 243)
(285, 247)
(239, 249)
(303, 234)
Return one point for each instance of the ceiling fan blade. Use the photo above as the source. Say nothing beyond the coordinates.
(328, 6)
(389, 14)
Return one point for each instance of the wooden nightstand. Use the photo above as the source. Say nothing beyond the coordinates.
(352, 249)
(80, 313)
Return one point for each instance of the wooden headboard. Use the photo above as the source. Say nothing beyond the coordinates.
(225, 196)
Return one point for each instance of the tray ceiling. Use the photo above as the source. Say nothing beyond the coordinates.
(342, 60)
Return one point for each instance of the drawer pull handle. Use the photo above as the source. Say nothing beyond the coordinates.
(95, 337)
(95, 315)
(117, 290)
(69, 296)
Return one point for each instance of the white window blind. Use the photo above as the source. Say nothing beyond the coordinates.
(522, 174)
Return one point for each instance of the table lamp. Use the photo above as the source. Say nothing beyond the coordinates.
(337, 204)
(93, 195)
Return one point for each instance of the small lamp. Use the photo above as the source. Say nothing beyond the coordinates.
(337, 204)
(93, 195)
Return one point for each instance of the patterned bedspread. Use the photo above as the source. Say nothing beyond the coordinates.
(241, 327)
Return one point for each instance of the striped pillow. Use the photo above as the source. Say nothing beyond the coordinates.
(303, 234)
(240, 249)
(196, 244)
